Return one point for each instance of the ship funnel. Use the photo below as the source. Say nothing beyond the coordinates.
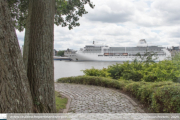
(142, 43)
(93, 42)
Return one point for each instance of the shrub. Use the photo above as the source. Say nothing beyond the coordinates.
(166, 99)
(167, 70)
(96, 72)
(145, 91)
(150, 77)
(133, 87)
(115, 70)
(176, 62)
(161, 71)
(91, 80)
(132, 74)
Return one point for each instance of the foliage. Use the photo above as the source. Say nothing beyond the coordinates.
(166, 99)
(67, 13)
(134, 87)
(176, 62)
(159, 96)
(161, 71)
(115, 71)
(96, 72)
(147, 58)
(92, 80)
(167, 70)
(60, 53)
(71, 10)
(60, 102)
(145, 91)
(19, 12)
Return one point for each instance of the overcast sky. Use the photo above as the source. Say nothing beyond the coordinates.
(122, 23)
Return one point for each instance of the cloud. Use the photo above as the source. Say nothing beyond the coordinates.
(111, 11)
(168, 10)
(172, 33)
(122, 23)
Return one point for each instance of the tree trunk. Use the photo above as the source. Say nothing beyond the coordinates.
(40, 58)
(26, 38)
(15, 95)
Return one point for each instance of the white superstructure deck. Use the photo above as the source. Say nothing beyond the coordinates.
(97, 52)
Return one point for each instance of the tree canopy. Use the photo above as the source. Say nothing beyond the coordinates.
(67, 12)
(60, 53)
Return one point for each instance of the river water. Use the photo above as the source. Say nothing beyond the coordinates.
(73, 68)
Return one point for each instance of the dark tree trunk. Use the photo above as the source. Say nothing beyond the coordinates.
(15, 95)
(40, 67)
(27, 33)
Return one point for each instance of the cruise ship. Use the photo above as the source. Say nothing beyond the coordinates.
(98, 52)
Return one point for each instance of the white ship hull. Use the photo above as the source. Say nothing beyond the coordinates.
(95, 57)
(104, 53)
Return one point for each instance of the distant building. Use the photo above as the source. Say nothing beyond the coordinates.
(174, 50)
(69, 52)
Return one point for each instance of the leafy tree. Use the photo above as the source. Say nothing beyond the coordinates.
(147, 57)
(60, 53)
(19, 12)
(72, 10)
(67, 13)
(38, 17)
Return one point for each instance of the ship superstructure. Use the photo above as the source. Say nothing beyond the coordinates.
(98, 52)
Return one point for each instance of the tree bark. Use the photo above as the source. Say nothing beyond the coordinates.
(15, 95)
(27, 33)
(40, 65)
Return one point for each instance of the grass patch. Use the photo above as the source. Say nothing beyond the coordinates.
(60, 102)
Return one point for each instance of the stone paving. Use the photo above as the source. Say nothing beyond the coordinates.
(95, 99)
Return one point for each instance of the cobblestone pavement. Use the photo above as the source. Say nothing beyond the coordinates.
(95, 99)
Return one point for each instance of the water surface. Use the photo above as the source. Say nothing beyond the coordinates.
(72, 68)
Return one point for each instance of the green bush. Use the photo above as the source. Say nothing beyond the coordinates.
(115, 71)
(96, 72)
(133, 74)
(134, 87)
(176, 62)
(161, 71)
(145, 91)
(166, 99)
(167, 70)
(92, 80)
(150, 77)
